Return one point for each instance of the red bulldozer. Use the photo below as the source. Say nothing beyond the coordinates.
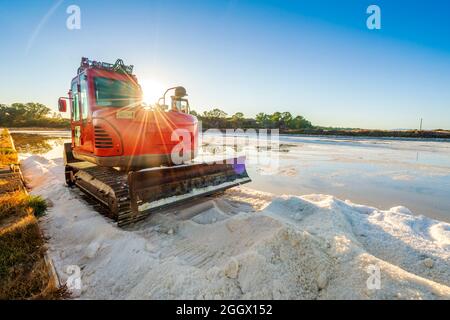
(133, 158)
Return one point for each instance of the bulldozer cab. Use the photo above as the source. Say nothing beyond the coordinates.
(98, 86)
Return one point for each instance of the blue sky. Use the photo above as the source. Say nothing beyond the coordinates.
(315, 58)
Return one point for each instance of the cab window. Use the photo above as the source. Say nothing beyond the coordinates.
(75, 104)
(84, 98)
(116, 93)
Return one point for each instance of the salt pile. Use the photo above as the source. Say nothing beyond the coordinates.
(245, 245)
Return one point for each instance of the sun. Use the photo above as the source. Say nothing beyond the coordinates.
(152, 90)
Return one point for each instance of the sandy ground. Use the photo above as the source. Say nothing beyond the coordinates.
(245, 245)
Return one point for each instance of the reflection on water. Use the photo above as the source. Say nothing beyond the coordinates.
(218, 147)
(383, 173)
(40, 144)
(379, 172)
(282, 147)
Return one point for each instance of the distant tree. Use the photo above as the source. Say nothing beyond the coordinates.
(262, 119)
(238, 115)
(275, 118)
(300, 123)
(285, 120)
(3, 112)
(37, 110)
(267, 121)
(237, 120)
(215, 114)
(281, 120)
(215, 118)
(30, 114)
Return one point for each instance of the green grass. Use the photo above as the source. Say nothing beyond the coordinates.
(38, 204)
(17, 203)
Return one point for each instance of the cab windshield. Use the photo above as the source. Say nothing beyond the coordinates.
(116, 93)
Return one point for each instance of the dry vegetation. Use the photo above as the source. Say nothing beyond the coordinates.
(24, 273)
(7, 153)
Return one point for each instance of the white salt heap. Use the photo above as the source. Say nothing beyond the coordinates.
(245, 245)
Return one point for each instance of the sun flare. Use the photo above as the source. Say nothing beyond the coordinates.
(152, 90)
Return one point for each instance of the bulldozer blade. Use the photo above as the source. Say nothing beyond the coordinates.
(157, 188)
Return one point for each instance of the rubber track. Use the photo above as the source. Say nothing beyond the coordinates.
(117, 181)
(119, 200)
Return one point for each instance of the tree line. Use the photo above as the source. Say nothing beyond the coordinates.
(30, 115)
(217, 118)
(38, 115)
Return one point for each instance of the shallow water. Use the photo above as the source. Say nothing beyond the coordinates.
(379, 172)
(374, 171)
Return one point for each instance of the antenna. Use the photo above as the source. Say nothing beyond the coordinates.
(119, 66)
